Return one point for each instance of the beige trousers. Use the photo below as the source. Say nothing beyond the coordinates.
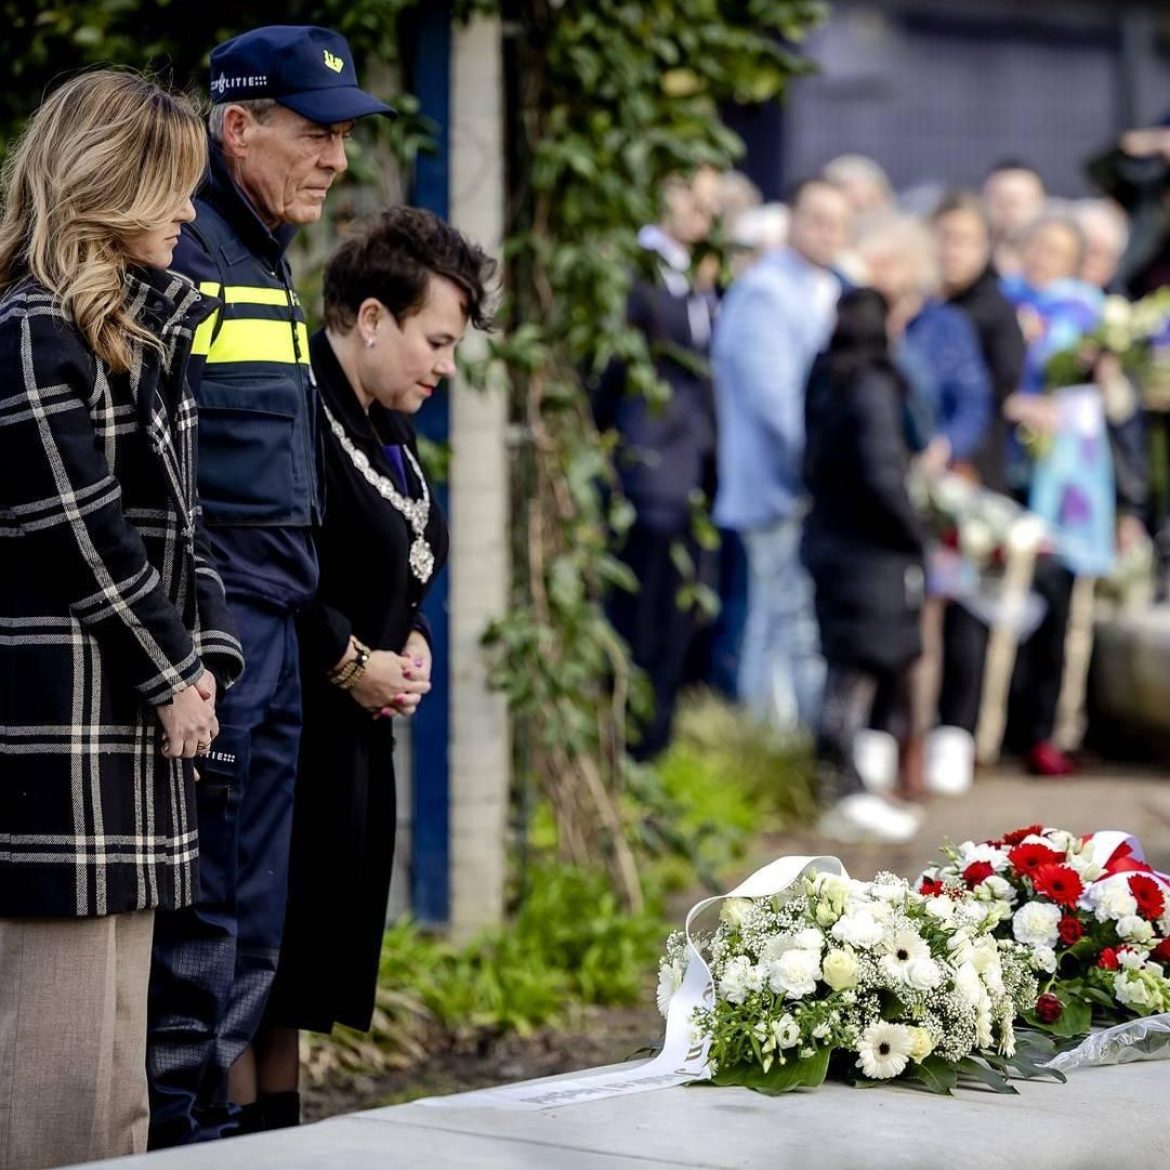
(73, 1039)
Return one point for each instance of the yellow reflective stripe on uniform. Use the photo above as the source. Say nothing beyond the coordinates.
(247, 294)
(251, 340)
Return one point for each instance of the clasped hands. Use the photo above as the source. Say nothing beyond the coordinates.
(394, 684)
(188, 720)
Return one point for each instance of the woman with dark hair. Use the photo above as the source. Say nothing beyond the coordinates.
(863, 546)
(399, 296)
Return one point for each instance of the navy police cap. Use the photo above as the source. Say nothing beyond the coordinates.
(309, 70)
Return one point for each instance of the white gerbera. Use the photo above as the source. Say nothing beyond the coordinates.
(884, 1050)
(1037, 924)
(670, 977)
(900, 952)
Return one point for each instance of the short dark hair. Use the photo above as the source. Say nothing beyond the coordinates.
(392, 259)
(1013, 164)
(960, 200)
(802, 188)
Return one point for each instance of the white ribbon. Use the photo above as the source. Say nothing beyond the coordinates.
(684, 1055)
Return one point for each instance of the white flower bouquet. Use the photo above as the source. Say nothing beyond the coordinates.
(862, 981)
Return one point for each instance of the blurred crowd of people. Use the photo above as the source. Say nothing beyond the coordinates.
(850, 345)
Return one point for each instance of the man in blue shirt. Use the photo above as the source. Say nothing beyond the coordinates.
(284, 100)
(774, 321)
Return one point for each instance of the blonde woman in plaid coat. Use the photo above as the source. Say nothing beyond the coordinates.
(114, 636)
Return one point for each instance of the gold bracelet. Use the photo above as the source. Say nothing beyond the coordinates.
(346, 676)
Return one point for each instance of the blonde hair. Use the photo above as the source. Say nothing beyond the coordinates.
(108, 155)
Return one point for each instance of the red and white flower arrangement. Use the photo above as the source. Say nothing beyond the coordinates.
(1093, 915)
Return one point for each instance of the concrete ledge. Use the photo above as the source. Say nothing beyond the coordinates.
(1101, 1117)
(1131, 669)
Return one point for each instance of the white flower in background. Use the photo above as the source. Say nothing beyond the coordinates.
(795, 973)
(942, 908)
(733, 984)
(1085, 867)
(1164, 921)
(995, 913)
(1111, 899)
(839, 969)
(735, 910)
(1130, 960)
(1036, 924)
(881, 910)
(884, 1050)
(996, 857)
(984, 953)
(670, 977)
(776, 946)
(1061, 839)
(1130, 989)
(1044, 959)
(1134, 929)
(858, 927)
(888, 888)
(821, 1031)
(995, 888)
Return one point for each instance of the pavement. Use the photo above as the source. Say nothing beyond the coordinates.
(1102, 797)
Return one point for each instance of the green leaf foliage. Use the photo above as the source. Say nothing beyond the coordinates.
(796, 1073)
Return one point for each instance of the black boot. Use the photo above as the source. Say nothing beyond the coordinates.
(251, 1119)
(280, 1110)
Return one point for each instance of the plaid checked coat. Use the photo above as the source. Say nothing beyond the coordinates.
(108, 605)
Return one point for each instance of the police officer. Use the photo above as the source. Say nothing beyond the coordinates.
(284, 99)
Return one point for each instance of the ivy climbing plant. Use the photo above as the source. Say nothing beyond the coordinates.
(611, 98)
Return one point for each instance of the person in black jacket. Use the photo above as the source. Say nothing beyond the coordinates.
(665, 454)
(115, 638)
(972, 285)
(399, 296)
(863, 545)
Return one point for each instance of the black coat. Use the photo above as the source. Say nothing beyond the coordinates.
(1002, 344)
(863, 542)
(108, 605)
(345, 812)
(666, 450)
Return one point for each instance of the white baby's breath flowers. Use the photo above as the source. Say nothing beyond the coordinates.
(884, 1050)
(1036, 924)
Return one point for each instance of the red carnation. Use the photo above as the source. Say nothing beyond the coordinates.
(1017, 835)
(931, 887)
(1151, 899)
(1161, 953)
(1071, 930)
(1061, 883)
(977, 872)
(1107, 960)
(1029, 858)
(1049, 1009)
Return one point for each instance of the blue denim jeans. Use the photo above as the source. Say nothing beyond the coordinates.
(781, 674)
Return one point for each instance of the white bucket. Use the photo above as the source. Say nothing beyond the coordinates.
(950, 761)
(875, 755)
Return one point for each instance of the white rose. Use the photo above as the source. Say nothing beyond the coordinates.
(839, 969)
(1061, 839)
(941, 907)
(1036, 924)
(734, 910)
(923, 974)
(795, 973)
(997, 888)
(1134, 929)
(858, 927)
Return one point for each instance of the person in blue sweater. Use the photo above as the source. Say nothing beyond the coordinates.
(773, 323)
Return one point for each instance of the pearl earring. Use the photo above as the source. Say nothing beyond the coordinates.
(369, 343)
